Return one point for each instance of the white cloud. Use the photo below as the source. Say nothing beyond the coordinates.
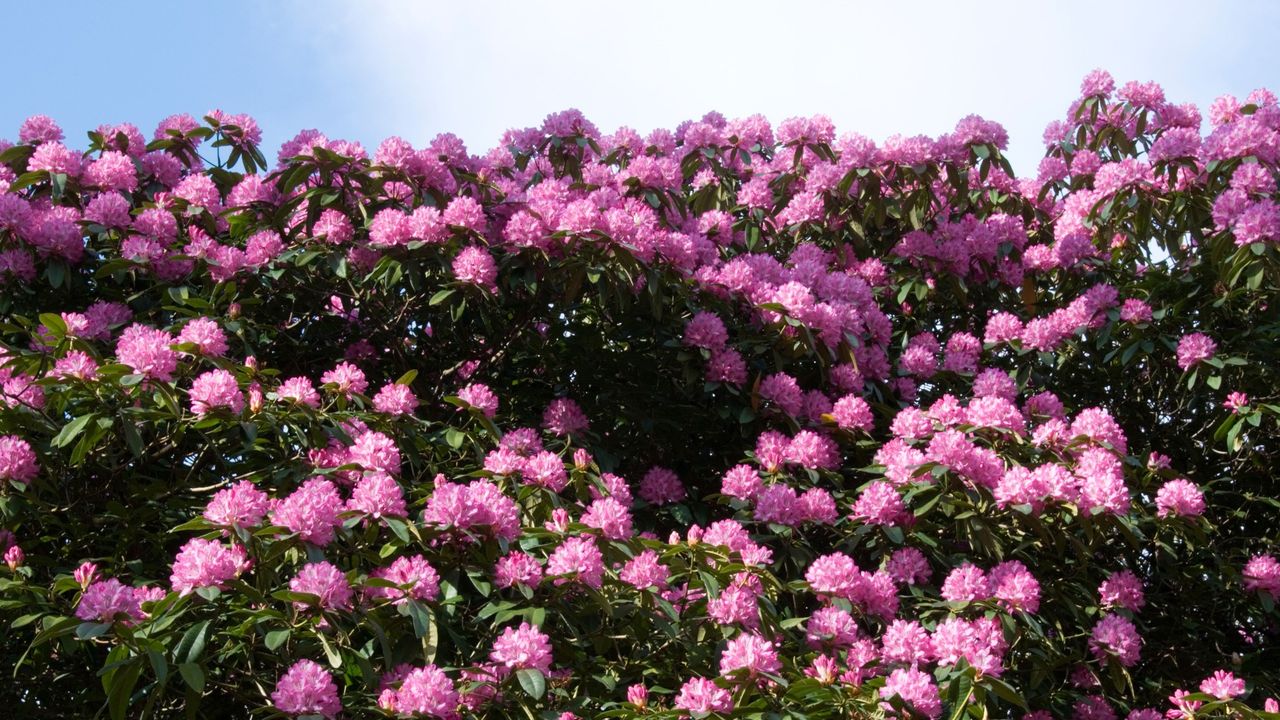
(477, 68)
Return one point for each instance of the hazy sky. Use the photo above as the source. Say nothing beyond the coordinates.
(365, 70)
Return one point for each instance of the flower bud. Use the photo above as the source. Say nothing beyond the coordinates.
(638, 695)
(559, 521)
(255, 399)
(86, 574)
(823, 669)
(13, 557)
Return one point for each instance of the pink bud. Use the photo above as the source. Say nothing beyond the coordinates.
(255, 398)
(695, 534)
(13, 557)
(233, 311)
(251, 362)
(559, 520)
(638, 695)
(1271, 706)
(823, 669)
(387, 701)
(581, 459)
(86, 574)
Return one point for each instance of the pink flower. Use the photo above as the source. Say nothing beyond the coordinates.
(706, 330)
(832, 575)
(610, 517)
(481, 398)
(810, 450)
(1014, 587)
(325, 581)
(146, 350)
(206, 335)
(908, 566)
(1262, 573)
(546, 469)
(741, 481)
(241, 505)
(1223, 685)
(1195, 348)
(1236, 401)
(39, 129)
(702, 697)
(422, 692)
(472, 508)
(378, 495)
(563, 416)
(1115, 635)
(1135, 311)
(112, 171)
(17, 460)
(109, 601)
(475, 265)
(853, 413)
(916, 688)
(206, 563)
(522, 647)
(1123, 589)
(348, 379)
(216, 390)
(298, 390)
(465, 212)
(906, 641)
(395, 399)
(783, 391)
(645, 571)
(311, 511)
(661, 486)
(413, 572)
(831, 628)
(577, 559)
(76, 364)
(518, 568)
(1179, 497)
(879, 504)
(306, 689)
(376, 451)
(750, 653)
(967, 583)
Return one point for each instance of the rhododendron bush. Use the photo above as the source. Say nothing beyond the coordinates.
(733, 420)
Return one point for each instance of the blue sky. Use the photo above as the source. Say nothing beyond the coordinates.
(365, 70)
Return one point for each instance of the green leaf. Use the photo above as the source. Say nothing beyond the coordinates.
(54, 323)
(532, 681)
(1005, 691)
(440, 296)
(71, 430)
(122, 684)
(407, 378)
(88, 631)
(421, 618)
(192, 675)
(193, 641)
(276, 638)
